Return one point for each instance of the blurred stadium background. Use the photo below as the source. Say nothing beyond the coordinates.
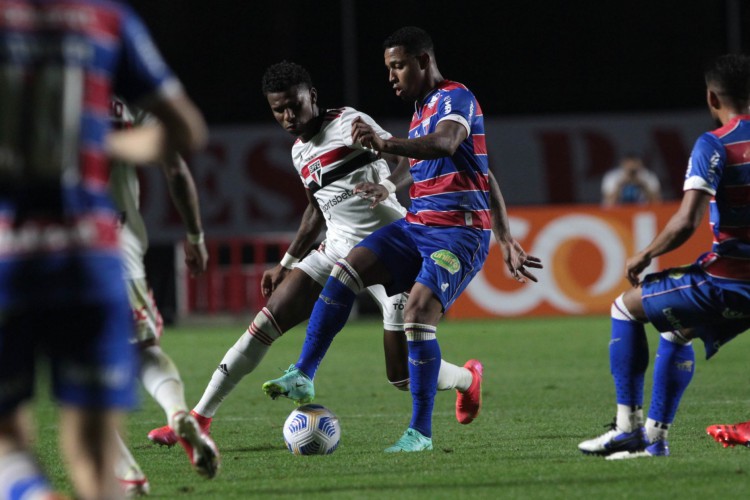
(566, 88)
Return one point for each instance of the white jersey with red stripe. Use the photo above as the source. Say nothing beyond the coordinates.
(125, 191)
(331, 164)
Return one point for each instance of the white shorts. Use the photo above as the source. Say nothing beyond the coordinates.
(148, 321)
(318, 264)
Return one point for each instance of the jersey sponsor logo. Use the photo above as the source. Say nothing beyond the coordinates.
(673, 320)
(223, 368)
(712, 167)
(339, 198)
(448, 106)
(447, 260)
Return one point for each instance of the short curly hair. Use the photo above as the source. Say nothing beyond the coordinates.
(284, 75)
(731, 73)
(414, 40)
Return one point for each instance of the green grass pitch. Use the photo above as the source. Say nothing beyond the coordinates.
(547, 386)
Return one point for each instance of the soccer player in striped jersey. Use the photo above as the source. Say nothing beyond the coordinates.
(62, 292)
(330, 164)
(709, 299)
(437, 248)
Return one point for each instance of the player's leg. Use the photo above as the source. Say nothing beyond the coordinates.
(628, 360)
(290, 304)
(130, 475)
(466, 380)
(19, 471)
(88, 443)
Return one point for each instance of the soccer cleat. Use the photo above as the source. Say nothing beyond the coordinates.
(200, 448)
(730, 435)
(614, 441)
(134, 483)
(165, 436)
(469, 403)
(659, 448)
(412, 440)
(294, 385)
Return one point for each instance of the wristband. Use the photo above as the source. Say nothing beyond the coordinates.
(196, 239)
(388, 185)
(288, 261)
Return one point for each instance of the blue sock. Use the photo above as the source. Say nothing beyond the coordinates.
(424, 365)
(628, 360)
(329, 316)
(673, 371)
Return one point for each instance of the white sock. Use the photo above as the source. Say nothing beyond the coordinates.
(242, 358)
(452, 376)
(126, 466)
(629, 418)
(162, 380)
(656, 431)
(20, 474)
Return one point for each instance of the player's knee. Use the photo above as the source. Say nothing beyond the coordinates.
(620, 311)
(264, 329)
(346, 274)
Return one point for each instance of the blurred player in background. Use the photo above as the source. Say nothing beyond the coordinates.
(631, 182)
(709, 299)
(441, 244)
(61, 289)
(158, 372)
(330, 164)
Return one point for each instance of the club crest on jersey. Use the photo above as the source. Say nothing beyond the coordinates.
(447, 260)
(315, 171)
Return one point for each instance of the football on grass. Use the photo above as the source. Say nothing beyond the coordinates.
(312, 430)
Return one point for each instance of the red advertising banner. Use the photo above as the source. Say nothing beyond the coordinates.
(583, 248)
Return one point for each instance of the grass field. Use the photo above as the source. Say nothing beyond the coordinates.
(547, 387)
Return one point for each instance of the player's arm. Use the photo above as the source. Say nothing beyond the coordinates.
(377, 192)
(446, 139)
(310, 226)
(182, 129)
(185, 198)
(516, 259)
(678, 230)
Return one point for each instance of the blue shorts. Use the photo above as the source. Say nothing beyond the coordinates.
(87, 342)
(687, 297)
(444, 259)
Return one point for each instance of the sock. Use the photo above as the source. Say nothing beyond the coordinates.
(162, 380)
(656, 431)
(424, 365)
(126, 466)
(628, 360)
(329, 315)
(242, 358)
(452, 376)
(21, 477)
(629, 418)
(673, 371)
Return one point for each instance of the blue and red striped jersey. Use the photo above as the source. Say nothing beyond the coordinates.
(720, 165)
(452, 190)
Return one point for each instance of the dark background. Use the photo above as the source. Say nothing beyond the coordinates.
(534, 57)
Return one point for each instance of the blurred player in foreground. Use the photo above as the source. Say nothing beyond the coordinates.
(158, 372)
(330, 164)
(62, 293)
(435, 251)
(730, 434)
(709, 299)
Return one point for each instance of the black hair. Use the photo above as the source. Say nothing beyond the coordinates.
(731, 73)
(414, 40)
(284, 75)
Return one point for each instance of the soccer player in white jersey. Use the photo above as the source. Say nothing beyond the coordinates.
(330, 165)
(158, 372)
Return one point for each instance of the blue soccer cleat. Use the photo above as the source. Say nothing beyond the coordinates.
(412, 440)
(294, 385)
(614, 441)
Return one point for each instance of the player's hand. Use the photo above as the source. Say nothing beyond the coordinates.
(371, 191)
(635, 266)
(196, 258)
(518, 261)
(272, 278)
(365, 135)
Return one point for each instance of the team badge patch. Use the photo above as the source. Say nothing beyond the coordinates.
(447, 261)
(315, 171)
